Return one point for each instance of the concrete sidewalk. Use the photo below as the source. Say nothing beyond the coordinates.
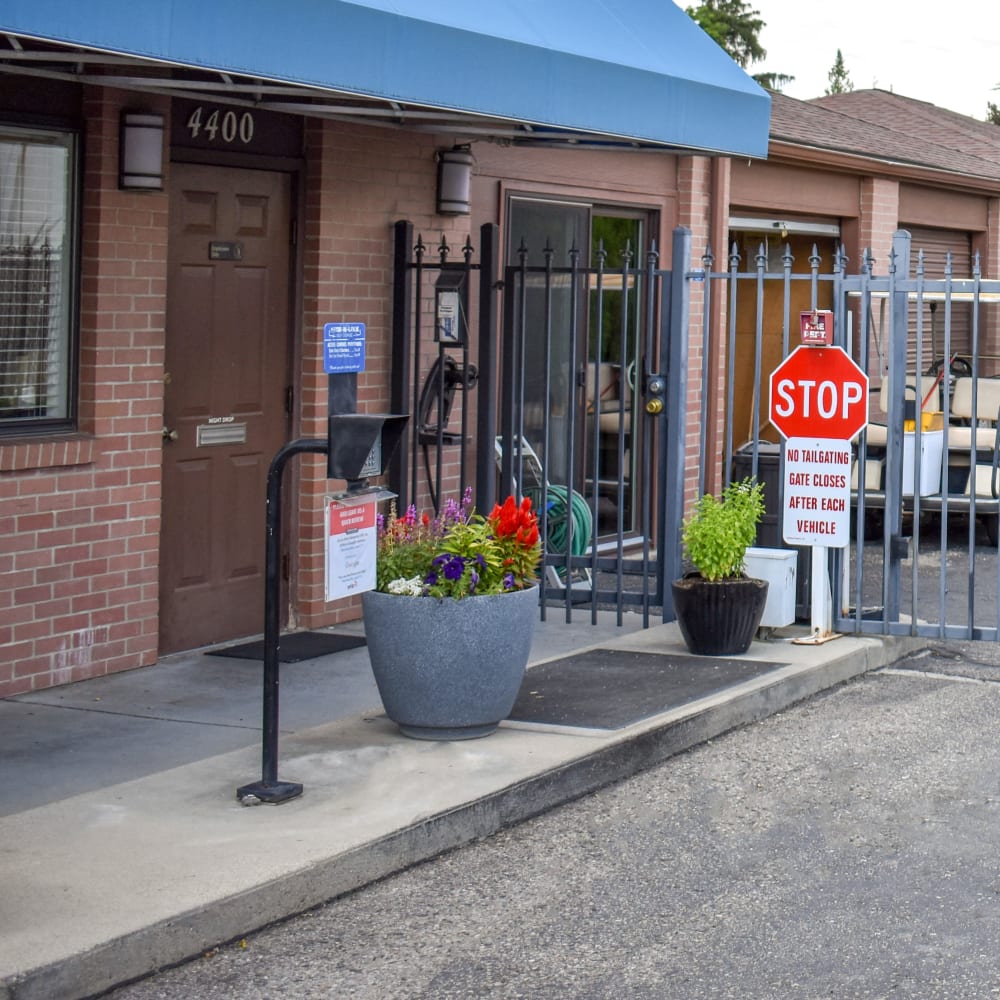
(124, 848)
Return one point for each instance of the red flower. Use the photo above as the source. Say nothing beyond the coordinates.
(528, 536)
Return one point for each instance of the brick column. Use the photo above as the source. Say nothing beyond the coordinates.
(988, 247)
(879, 219)
(703, 191)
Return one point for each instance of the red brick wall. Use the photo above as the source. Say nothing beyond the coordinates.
(360, 181)
(80, 513)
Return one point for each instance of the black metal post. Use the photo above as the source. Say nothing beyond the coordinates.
(269, 788)
(675, 306)
(402, 350)
(486, 412)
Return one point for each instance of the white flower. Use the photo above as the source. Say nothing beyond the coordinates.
(413, 587)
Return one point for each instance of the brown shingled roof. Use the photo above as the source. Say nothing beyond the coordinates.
(887, 127)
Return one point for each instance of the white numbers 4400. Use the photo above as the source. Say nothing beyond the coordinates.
(228, 126)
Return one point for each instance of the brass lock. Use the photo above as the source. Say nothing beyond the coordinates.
(655, 387)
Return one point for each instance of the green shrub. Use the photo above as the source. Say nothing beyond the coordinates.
(717, 533)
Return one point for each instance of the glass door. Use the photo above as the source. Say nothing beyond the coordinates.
(581, 347)
(612, 354)
(544, 233)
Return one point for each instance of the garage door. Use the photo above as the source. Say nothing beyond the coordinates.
(936, 244)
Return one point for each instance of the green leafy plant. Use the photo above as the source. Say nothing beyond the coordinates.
(460, 553)
(718, 531)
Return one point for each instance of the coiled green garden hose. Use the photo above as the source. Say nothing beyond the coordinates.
(558, 517)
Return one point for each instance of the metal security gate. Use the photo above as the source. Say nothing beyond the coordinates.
(925, 479)
(588, 440)
(925, 559)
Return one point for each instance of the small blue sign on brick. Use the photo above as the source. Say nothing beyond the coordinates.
(343, 348)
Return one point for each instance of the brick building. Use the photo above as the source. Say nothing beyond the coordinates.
(186, 200)
(849, 170)
(176, 341)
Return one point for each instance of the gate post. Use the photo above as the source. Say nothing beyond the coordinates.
(675, 312)
(402, 350)
(486, 412)
(899, 270)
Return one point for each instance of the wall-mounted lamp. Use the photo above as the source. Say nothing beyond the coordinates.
(140, 151)
(454, 174)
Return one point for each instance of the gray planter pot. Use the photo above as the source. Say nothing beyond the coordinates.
(449, 669)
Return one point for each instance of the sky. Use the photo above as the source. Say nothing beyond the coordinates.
(947, 54)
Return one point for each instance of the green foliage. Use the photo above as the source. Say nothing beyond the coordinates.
(460, 553)
(717, 533)
(773, 81)
(840, 80)
(734, 25)
(992, 113)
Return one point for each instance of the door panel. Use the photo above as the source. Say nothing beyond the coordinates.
(227, 371)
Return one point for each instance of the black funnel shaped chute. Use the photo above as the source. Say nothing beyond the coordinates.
(351, 438)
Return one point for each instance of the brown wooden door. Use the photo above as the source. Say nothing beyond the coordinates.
(225, 415)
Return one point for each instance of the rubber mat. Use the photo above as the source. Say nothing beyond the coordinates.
(295, 646)
(613, 688)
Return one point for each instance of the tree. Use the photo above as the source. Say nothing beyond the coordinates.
(992, 113)
(840, 80)
(737, 27)
(773, 81)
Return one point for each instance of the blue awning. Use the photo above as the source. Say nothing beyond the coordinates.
(637, 71)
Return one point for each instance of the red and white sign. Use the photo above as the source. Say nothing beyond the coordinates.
(817, 492)
(350, 547)
(819, 392)
(816, 327)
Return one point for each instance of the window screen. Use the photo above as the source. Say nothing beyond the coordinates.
(36, 170)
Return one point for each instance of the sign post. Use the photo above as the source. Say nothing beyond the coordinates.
(356, 446)
(818, 403)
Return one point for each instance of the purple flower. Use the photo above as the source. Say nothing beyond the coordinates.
(454, 568)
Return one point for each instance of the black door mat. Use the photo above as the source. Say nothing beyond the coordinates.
(612, 688)
(295, 646)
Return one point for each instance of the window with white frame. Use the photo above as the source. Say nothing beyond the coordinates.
(36, 243)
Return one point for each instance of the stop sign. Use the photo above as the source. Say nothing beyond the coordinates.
(819, 392)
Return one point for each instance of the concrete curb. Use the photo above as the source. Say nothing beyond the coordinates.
(167, 942)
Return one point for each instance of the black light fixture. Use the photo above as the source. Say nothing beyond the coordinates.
(140, 151)
(454, 174)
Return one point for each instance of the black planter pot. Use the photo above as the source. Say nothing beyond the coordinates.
(719, 617)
